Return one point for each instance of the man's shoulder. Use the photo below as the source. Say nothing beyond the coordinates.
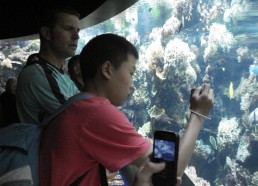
(31, 75)
(31, 72)
(32, 68)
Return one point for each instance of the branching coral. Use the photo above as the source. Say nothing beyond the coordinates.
(154, 55)
(202, 150)
(133, 37)
(182, 7)
(7, 63)
(228, 132)
(178, 63)
(242, 152)
(247, 92)
(171, 27)
(191, 173)
(219, 38)
(145, 130)
(239, 175)
(242, 52)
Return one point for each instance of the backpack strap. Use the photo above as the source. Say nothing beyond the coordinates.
(102, 175)
(51, 80)
(69, 102)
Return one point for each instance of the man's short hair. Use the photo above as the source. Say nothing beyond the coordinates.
(50, 15)
(102, 48)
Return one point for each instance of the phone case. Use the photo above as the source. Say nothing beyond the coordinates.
(165, 149)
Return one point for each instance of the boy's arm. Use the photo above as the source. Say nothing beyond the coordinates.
(202, 99)
(187, 143)
(142, 159)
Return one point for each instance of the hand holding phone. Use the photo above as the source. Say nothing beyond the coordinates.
(165, 149)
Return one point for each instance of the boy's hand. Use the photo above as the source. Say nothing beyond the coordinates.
(144, 174)
(201, 100)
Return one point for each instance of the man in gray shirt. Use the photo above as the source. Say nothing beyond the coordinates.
(42, 85)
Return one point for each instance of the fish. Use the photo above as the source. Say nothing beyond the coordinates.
(255, 122)
(231, 91)
(183, 21)
(211, 131)
(182, 24)
(185, 121)
(180, 27)
(254, 118)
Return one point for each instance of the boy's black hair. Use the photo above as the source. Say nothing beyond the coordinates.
(102, 48)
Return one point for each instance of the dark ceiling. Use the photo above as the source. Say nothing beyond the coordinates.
(21, 18)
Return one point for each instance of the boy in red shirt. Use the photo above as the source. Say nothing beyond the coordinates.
(93, 131)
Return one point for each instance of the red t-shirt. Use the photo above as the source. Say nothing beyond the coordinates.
(89, 132)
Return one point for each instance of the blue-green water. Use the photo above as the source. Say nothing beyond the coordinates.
(183, 44)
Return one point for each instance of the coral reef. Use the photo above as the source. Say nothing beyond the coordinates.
(242, 53)
(255, 178)
(228, 133)
(145, 130)
(171, 27)
(182, 8)
(178, 63)
(134, 37)
(191, 173)
(154, 56)
(7, 63)
(247, 92)
(238, 175)
(219, 38)
(183, 44)
(242, 151)
(203, 151)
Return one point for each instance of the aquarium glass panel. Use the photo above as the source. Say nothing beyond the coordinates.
(183, 44)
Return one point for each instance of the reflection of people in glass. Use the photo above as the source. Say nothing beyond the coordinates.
(74, 71)
(8, 103)
(164, 150)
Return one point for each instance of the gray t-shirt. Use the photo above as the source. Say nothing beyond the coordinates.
(35, 98)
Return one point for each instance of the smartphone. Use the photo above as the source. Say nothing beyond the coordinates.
(165, 149)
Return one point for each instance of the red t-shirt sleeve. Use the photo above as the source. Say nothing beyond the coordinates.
(111, 138)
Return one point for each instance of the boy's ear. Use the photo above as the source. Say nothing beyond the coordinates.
(45, 33)
(106, 69)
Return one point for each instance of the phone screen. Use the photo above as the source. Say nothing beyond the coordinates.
(164, 150)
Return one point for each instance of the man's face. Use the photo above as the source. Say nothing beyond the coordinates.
(122, 82)
(64, 35)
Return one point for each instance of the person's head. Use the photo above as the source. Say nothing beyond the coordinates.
(109, 58)
(10, 85)
(59, 31)
(74, 69)
(32, 57)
